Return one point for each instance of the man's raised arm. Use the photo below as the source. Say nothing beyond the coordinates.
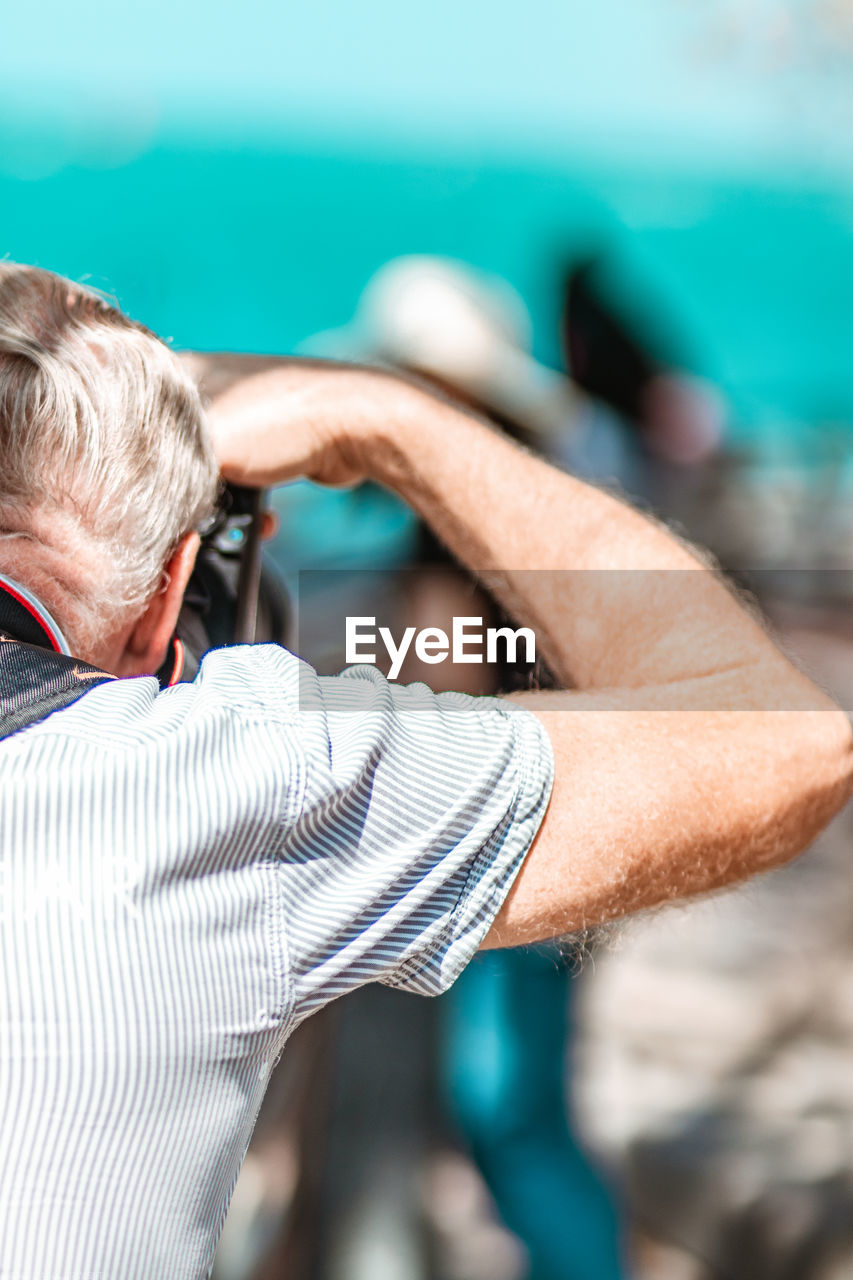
(689, 752)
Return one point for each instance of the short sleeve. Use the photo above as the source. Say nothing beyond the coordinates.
(418, 811)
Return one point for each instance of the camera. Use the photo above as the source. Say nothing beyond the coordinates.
(235, 594)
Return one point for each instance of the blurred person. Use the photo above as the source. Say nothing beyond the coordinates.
(508, 1027)
(631, 415)
(190, 872)
(511, 1029)
(676, 417)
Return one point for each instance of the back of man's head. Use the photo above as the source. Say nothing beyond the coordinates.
(104, 451)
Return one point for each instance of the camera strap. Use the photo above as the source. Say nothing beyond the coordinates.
(38, 674)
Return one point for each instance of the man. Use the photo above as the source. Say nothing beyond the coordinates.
(187, 874)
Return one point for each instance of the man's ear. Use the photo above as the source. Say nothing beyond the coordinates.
(148, 642)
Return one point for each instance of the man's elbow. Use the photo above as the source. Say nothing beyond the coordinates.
(815, 777)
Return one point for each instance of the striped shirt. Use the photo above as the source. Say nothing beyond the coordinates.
(184, 876)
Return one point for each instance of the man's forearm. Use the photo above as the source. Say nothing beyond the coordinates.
(615, 599)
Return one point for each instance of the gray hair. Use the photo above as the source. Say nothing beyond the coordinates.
(99, 421)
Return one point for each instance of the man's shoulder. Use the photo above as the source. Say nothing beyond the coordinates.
(263, 677)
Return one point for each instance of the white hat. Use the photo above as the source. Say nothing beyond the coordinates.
(469, 329)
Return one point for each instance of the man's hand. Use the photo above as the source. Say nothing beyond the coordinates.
(300, 418)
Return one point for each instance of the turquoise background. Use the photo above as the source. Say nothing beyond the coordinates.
(234, 176)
